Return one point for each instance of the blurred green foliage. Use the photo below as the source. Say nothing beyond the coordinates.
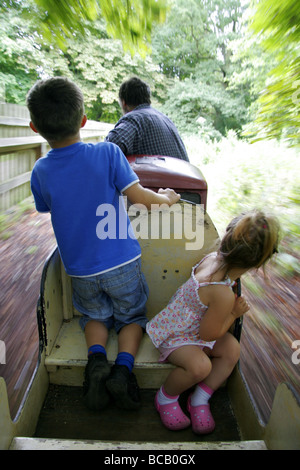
(206, 68)
(213, 65)
(128, 20)
(242, 176)
(277, 27)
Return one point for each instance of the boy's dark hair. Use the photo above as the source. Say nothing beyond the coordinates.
(134, 92)
(56, 108)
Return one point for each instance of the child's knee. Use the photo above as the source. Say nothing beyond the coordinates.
(234, 350)
(200, 368)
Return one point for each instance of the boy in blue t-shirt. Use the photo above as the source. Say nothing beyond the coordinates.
(79, 184)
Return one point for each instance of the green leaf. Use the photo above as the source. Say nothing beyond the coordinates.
(128, 20)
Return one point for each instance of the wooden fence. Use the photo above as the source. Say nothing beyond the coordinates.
(20, 147)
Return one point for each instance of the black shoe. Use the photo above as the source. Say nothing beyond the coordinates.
(94, 390)
(124, 388)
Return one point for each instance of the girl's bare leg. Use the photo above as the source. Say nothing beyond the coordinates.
(224, 357)
(192, 366)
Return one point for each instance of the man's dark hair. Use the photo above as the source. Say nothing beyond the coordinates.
(56, 108)
(134, 92)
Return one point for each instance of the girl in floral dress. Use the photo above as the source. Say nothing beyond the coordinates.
(192, 331)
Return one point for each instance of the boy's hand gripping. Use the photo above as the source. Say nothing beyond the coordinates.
(170, 194)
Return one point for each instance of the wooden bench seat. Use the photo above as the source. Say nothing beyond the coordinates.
(68, 358)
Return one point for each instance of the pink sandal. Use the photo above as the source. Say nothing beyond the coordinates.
(172, 415)
(201, 417)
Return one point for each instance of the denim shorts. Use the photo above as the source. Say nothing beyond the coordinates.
(115, 298)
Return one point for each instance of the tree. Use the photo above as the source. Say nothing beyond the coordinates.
(277, 27)
(100, 71)
(97, 63)
(20, 55)
(128, 20)
(192, 48)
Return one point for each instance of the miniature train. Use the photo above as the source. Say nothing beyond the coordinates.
(166, 263)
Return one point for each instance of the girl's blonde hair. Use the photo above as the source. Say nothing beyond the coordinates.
(250, 240)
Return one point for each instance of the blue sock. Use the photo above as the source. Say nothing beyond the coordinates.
(125, 359)
(96, 348)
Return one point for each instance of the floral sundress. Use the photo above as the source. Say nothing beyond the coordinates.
(178, 323)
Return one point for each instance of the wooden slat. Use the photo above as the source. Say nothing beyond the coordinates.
(93, 132)
(26, 443)
(14, 144)
(15, 182)
(14, 121)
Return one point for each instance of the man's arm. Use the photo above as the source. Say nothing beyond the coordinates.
(123, 135)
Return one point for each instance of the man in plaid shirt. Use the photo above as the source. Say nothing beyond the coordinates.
(143, 130)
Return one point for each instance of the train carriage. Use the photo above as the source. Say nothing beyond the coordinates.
(52, 414)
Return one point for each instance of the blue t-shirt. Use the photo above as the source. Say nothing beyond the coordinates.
(81, 186)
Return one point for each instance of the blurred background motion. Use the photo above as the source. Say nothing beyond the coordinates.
(227, 72)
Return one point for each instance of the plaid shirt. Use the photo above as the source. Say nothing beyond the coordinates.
(146, 131)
